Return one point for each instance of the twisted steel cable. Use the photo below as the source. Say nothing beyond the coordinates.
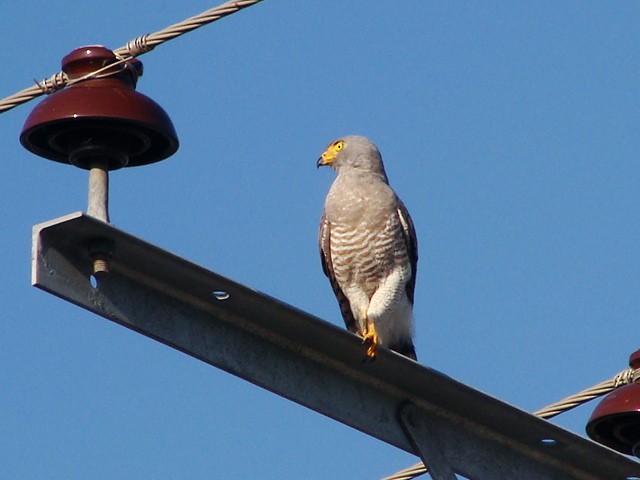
(133, 48)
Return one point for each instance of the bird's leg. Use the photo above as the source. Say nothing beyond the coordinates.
(370, 337)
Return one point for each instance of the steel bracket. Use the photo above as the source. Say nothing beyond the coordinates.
(308, 360)
(424, 435)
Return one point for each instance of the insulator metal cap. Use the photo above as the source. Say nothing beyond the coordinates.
(616, 420)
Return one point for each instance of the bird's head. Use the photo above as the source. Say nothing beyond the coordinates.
(352, 152)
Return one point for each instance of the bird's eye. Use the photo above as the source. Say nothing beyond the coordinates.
(339, 146)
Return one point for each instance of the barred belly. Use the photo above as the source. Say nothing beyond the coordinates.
(363, 256)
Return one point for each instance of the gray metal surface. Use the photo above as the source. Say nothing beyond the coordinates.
(98, 201)
(427, 442)
(310, 361)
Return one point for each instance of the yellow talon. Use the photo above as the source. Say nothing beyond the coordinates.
(370, 338)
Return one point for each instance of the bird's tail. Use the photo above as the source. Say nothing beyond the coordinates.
(405, 348)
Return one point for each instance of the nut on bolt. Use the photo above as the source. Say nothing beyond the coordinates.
(101, 252)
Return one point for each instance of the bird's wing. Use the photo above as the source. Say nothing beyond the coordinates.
(324, 242)
(411, 242)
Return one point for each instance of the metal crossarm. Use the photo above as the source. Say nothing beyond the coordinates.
(307, 360)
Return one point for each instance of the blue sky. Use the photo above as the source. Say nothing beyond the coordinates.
(509, 129)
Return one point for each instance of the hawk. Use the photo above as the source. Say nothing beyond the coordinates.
(368, 247)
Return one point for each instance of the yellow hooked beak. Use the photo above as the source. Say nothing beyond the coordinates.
(328, 156)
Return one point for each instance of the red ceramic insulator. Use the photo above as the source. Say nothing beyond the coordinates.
(616, 420)
(101, 117)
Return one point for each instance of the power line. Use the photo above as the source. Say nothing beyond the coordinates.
(134, 48)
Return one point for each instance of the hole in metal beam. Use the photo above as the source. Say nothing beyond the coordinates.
(548, 442)
(220, 294)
